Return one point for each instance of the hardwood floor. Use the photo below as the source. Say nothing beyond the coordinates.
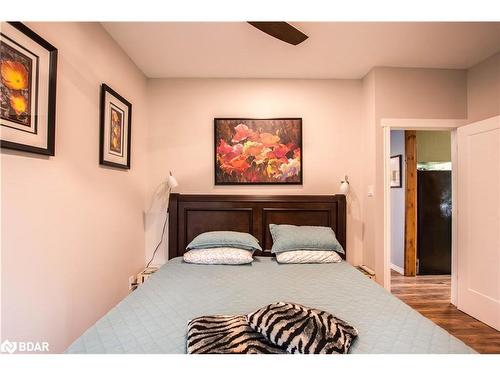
(430, 296)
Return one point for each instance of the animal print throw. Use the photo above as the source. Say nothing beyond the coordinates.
(299, 329)
(226, 334)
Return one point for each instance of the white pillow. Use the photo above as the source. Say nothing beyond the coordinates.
(308, 256)
(219, 255)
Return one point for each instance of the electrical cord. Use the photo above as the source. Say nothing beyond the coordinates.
(159, 243)
(162, 234)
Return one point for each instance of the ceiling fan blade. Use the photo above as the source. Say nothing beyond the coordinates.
(282, 31)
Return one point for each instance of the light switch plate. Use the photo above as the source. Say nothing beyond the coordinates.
(371, 191)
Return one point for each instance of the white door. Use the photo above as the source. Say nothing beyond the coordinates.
(478, 229)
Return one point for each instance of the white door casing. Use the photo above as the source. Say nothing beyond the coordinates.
(389, 124)
(478, 228)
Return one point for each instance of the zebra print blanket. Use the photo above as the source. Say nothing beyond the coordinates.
(274, 329)
(227, 334)
(299, 329)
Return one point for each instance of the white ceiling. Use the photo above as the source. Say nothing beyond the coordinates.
(333, 50)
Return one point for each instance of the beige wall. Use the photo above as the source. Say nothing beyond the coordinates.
(181, 137)
(403, 93)
(433, 146)
(483, 89)
(421, 93)
(337, 114)
(368, 203)
(72, 231)
(425, 94)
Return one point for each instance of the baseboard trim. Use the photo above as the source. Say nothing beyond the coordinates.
(398, 269)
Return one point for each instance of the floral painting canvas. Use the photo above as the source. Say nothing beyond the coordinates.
(15, 86)
(258, 151)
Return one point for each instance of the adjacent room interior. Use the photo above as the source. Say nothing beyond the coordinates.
(432, 229)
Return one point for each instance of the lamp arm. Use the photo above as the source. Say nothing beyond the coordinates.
(154, 195)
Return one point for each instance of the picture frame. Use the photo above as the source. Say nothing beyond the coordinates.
(258, 151)
(115, 129)
(28, 83)
(396, 168)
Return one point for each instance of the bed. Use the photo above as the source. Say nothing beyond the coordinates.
(153, 319)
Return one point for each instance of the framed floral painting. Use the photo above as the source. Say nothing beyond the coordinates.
(28, 71)
(258, 151)
(115, 129)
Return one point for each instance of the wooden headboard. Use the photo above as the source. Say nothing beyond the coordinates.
(191, 215)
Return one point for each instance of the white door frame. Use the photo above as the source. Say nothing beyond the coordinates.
(389, 124)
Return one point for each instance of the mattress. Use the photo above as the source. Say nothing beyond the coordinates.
(153, 318)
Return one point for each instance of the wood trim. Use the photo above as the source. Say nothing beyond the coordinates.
(397, 269)
(454, 216)
(224, 212)
(410, 261)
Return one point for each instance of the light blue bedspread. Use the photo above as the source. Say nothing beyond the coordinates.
(153, 319)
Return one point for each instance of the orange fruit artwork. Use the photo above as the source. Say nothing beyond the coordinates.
(14, 75)
(18, 103)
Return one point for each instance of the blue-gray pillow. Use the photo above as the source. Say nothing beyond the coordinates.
(214, 239)
(292, 237)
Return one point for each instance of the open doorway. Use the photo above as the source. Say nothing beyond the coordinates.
(421, 221)
(474, 147)
(421, 203)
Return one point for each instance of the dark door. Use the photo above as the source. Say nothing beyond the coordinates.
(434, 222)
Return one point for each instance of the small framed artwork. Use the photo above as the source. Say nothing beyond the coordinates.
(396, 163)
(258, 151)
(115, 129)
(28, 73)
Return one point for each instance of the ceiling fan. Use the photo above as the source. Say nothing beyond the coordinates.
(282, 31)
